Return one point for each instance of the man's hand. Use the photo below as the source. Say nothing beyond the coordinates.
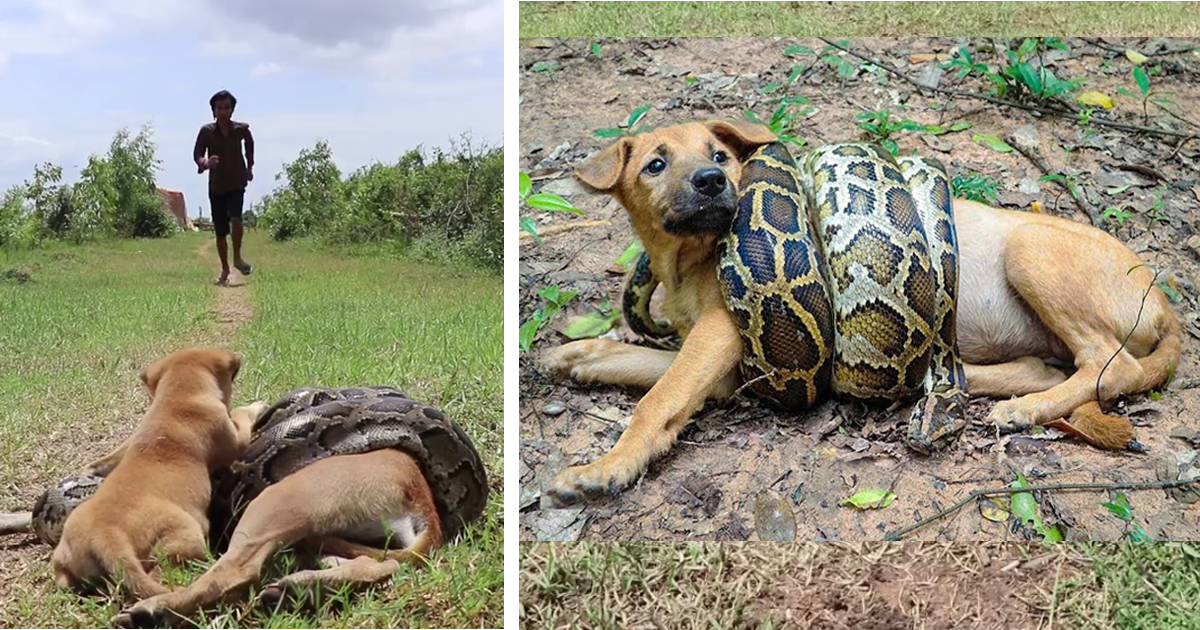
(249, 173)
(214, 161)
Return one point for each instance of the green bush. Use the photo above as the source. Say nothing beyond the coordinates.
(114, 197)
(439, 206)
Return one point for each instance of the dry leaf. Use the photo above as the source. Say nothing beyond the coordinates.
(1135, 56)
(1099, 99)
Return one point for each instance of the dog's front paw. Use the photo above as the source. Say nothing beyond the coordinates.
(144, 614)
(582, 482)
(572, 360)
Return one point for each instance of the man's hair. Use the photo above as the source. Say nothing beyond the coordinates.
(221, 96)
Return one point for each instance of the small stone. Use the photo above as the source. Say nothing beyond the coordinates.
(1193, 245)
(554, 408)
(1027, 137)
(936, 143)
(565, 187)
(559, 151)
(1029, 186)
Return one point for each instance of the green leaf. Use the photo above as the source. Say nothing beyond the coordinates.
(525, 185)
(1172, 294)
(630, 254)
(994, 510)
(529, 330)
(799, 50)
(528, 225)
(1143, 81)
(545, 66)
(751, 116)
(797, 70)
(1027, 47)
(966, 54)
(890, 146)
(1024, 505)
(637, 114)
(992, 142)
(596, 49)
(591, 325)
(1137, 534)
(1119, 507)
(1136, 57)
(690, 80)
(610, 132)
(870, 499)
(553, 203)
(960, 126)
(770, 87)
(1116, 190)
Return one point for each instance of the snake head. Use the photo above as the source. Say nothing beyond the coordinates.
(937, 421)
(677, 181)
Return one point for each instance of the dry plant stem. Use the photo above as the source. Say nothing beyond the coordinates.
(1045, 111)
(564, 228)
(1040, 162)
(977, 494)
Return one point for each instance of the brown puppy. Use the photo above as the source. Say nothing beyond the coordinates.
(157, 495)
(1032, 288)
(345, 509)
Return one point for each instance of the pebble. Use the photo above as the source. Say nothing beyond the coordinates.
(554, 408)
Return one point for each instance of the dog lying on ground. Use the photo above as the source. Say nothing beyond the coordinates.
(157, 493)
(1034, 290)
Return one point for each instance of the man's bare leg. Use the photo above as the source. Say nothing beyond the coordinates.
(236, 231)
(223, 253)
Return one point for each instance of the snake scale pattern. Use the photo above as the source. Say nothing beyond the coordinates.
(310, 424)
(841, 273)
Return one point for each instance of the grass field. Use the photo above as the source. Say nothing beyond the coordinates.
(884, 586)
(857, 19)
(75, 337)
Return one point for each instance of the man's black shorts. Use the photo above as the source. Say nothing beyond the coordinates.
(225, 206)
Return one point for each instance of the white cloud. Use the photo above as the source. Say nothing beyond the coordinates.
(266, 68)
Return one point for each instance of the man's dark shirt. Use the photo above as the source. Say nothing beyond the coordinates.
(230, 173)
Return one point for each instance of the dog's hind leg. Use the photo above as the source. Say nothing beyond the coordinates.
(1090, 300)
(352, 565)
(329, 496)
(1025, 375)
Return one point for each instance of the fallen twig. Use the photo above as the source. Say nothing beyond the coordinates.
(16, 523)
(1045, 111)
(563, 228)
(977, 494)
(1148, 171)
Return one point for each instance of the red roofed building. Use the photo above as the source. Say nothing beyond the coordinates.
(173, 200)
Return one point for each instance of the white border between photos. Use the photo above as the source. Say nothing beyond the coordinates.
(512, 433)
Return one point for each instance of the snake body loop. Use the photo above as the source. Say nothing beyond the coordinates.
(841, 274)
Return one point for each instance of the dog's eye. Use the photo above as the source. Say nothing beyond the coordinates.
(720, 157)
(657, 166)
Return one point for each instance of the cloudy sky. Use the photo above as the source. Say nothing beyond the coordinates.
(373, 77)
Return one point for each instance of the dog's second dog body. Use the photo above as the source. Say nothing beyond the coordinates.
(1032, 288)
(157, 493)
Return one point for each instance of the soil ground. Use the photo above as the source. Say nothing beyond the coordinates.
(706, 488)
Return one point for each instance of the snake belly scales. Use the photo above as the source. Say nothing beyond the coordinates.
(841, 274)
(311, 424)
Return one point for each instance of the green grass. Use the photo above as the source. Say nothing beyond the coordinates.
(94, 316)
(1136, 586)
(856, 19)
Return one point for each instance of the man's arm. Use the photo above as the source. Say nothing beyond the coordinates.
(198, 152)
(249, 153)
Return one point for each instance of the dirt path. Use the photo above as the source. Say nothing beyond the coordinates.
(706, 488)
(232, 307)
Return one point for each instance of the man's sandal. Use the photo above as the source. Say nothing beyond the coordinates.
(246, 269)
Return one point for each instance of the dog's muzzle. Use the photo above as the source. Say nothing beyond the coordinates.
(696, 212)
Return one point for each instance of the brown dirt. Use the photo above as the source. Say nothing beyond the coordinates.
(232, 307)
(705, 488)
(838, 586)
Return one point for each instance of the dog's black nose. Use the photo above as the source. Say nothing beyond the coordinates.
(709, 181)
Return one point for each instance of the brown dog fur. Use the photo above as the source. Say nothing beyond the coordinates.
(328, 509)
(157, 495)
(1032, 288)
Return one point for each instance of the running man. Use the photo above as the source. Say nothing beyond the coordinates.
(219, 151)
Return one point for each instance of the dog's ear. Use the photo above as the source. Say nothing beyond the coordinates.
(150, 377)
(233, 365)
(602, 172)
(743, 136)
